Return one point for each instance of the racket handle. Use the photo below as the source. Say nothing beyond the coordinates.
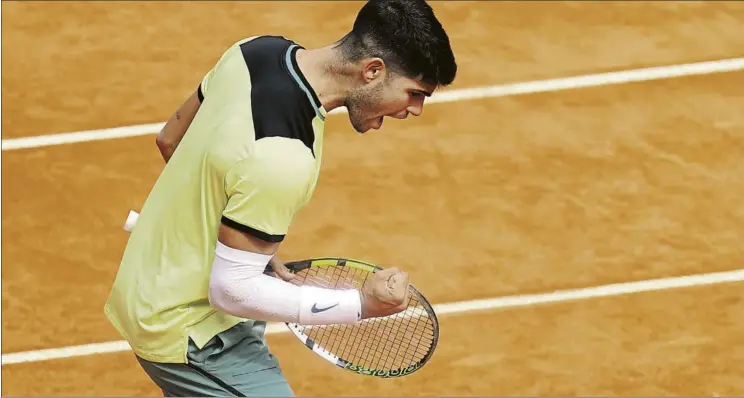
(131, 220)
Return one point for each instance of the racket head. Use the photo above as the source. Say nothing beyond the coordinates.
(361, 348)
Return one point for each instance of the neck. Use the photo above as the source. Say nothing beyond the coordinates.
(328, 77)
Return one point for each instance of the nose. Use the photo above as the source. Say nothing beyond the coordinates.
(415, 109)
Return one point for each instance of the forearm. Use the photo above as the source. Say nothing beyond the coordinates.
(175, 128)
(239, 287)
(172, 134)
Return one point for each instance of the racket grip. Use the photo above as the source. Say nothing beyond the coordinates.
(131, 220)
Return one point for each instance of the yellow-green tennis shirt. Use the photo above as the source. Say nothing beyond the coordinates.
(250, 159)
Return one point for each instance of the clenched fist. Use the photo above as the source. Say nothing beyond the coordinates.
(385, 293)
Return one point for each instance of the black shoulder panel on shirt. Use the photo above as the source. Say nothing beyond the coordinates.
(281, 108)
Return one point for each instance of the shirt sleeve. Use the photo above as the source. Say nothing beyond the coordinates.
(266, 190)
(204, 84)
(202, 87)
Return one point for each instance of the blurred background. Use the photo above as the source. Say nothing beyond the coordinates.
(486, 195)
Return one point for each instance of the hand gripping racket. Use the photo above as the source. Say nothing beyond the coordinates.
(392, 346)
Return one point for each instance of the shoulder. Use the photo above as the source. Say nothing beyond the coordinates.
(282, 102)
(259, 50)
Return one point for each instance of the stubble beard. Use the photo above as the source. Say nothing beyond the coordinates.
(360, 104)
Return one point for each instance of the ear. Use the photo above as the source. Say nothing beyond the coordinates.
(373, 69)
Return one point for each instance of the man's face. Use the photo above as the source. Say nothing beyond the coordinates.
(385, 94)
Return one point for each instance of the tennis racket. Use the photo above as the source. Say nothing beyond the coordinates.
(392, 346)
(386, 347)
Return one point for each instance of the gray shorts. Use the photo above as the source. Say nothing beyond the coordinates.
(236, 362)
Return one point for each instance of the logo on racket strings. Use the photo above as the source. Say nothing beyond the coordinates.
(382, 372)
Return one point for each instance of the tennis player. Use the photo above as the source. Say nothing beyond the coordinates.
(242, 155)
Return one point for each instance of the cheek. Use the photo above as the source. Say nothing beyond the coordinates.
(396, 102)
(379, 102)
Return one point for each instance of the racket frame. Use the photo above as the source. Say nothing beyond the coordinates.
(300, 265)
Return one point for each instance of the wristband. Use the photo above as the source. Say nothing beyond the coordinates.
(319, 306)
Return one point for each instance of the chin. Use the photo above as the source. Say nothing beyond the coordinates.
(361, 129)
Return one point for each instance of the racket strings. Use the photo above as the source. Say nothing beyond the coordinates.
(388, 343)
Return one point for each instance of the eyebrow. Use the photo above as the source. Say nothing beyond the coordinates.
(424, 92)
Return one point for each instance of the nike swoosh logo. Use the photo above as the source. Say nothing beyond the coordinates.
(315, 308)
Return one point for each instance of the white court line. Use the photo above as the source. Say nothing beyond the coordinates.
(539, 86)
(441, 309)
